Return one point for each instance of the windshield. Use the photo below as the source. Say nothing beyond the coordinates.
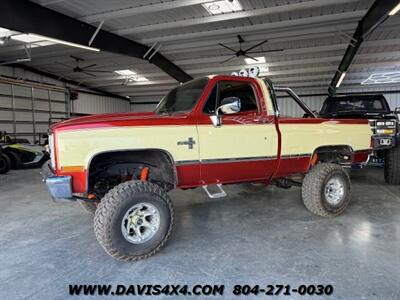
(182, 98)
(353, 106)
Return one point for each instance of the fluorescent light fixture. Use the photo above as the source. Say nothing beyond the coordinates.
(341, 79)
(395, 10)
(222, 7)
(259, 60)
(27, 38)
(4, 32)
(383, 78)
(140, 79)
(125, 72)
(33, 38)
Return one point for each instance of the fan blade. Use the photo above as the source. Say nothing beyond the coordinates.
(89, 66)
(256, 45)
(226, 60)
(229, 48)
(87, 73)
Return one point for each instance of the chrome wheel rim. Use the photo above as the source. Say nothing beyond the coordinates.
(334, 190)
(140, 223)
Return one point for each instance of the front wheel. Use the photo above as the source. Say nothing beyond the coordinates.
(134, 220)
(326, 190)
(5, 164)
(392, 166)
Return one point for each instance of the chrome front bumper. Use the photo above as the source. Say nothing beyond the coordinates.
(60, 187)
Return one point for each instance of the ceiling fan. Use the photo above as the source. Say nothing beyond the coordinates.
(87, 70)
(246, 52)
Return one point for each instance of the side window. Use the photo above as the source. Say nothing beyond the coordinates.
(224, 89)
(288, 107)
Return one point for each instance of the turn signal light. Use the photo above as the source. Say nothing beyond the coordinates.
(72, 169)
(385, 131)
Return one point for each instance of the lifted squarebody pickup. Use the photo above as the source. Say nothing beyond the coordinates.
(214, 130)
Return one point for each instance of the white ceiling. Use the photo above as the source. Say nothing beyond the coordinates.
(313, 33)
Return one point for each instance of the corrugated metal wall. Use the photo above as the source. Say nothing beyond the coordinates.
(97, 104)
(25, 109)
(144, 103)
(28, 101)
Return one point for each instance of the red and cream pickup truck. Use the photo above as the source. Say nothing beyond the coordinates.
(205, 133)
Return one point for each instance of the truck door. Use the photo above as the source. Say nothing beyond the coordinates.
(244, 146)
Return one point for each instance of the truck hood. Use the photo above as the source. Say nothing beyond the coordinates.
(119, 119)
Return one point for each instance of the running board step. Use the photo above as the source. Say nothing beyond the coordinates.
(220, 194)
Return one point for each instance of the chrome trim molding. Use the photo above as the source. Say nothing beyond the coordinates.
(225, 160)
(303, 155)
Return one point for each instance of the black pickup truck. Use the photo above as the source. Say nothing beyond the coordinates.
(385, 126)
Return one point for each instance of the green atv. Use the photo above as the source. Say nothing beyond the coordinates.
(21, 154)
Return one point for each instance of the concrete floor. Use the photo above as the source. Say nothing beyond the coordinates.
(267, 238)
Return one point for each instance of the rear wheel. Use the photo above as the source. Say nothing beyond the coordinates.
(392, 166)
(15, 159)
(134, 220)
(326, 190)
(5, 164)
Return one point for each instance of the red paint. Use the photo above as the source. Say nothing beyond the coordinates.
(360, 157)
(290, 166)
(232, 171)
(188, 175)
(78, 181)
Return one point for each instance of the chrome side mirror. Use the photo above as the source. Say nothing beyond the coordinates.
(229, 105)
(216, 120)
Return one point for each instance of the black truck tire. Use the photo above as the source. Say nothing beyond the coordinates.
(15, 159)
(392, 166)
(89, 207)
(326, 190)
(120, 219)
(5, 164)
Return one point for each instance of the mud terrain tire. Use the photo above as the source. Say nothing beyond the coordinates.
(111, 218)
(326, 190)
(392, 166)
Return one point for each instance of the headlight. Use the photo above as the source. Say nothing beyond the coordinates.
(389, 123)
(385, 131)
